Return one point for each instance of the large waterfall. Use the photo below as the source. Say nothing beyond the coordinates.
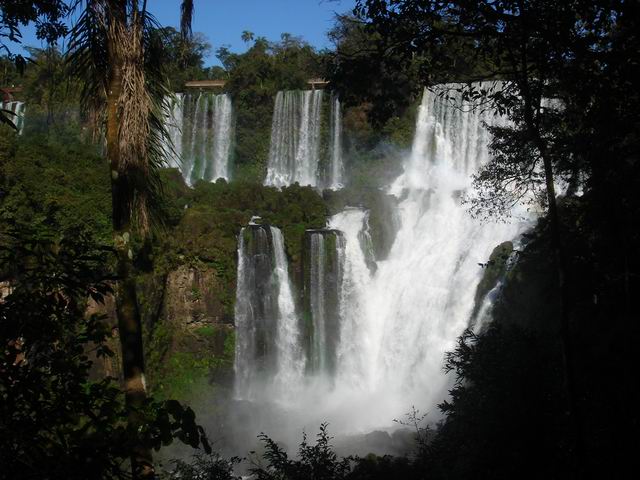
(297, 152)
(421, 297)
(201, 130)
(18, 111)
(383, 335)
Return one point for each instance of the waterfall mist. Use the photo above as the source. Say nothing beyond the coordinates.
(376, 347)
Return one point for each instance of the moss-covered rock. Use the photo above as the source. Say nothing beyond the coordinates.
(187, 343)
(494, 270)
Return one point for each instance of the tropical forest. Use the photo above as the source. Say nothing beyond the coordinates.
(319, 239)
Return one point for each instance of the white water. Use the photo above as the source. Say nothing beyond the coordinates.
(421, 297)
(335, 176)
(294, 152)
(317, 294)
(290, 361)
(18, 108)
(397, 323)
(269, 359)
(201, 130)
(325, 267)
(246, 377)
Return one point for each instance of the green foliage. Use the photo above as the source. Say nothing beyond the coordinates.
(230, 345)
(189, 364)
(506, 409)
(209, 467)
(48, 17)
(207, 232)
(254, 78)
(54, 422)
(53, 183)
(184, 57)
(495, 270)
(184, 372)
(206, 331)
(366, 69)
(317, 462)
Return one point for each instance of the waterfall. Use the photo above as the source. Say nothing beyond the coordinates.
(398, 316)
(268, 355)
(290, 361)
(295, 138)
(200, 128)
(18, 108)
(256, 311)
(173, 124)
(419, 300)
(354, 346)
(336, 168)
(324, 267)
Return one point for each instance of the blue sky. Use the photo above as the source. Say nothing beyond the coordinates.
(223, 21)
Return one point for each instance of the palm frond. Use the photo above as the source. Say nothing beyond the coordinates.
(87, 59)
(5, 118)
(142, 110)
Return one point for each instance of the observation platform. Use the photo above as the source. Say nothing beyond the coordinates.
(7, 94)
(205, 84)
(317, 83)
(314, 83)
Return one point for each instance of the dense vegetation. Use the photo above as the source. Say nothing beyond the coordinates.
(547, 391)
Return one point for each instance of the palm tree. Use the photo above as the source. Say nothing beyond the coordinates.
(113, 49)
(247, 36)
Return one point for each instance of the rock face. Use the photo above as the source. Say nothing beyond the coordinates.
(495, 270)
(188, 337)
(192, 298)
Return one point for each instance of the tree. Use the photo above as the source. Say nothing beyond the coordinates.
(54, 421)
(247, 36)
(364, 69)
(182, 59)
(113, 50)
(548, 55)
(48, 16)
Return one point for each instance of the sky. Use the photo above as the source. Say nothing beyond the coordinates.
(223, 21)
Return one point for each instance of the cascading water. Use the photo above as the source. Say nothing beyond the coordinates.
(256, 311)
(295, 138)
(421, 297)
(268, 356)
(397, 320)
(18, 109)
(325, 263)
(201, 130)
(336, 168)
(174, 129)
(290, 360)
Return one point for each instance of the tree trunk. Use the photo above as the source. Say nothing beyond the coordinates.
(129, 323)
(560, 261)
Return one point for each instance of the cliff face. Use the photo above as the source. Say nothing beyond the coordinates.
(192, 299)
(188, 338)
